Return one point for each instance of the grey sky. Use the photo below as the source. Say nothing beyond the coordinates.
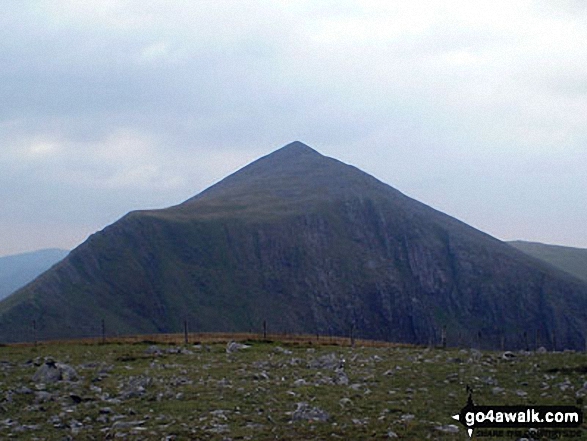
(477, 108)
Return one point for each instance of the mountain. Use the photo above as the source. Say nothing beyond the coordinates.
(309, 245)
(19, 269)
(569, 259)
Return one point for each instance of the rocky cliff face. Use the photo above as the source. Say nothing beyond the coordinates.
(310, 245)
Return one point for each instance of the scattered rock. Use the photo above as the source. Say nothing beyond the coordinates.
(136, 387)
(153, 350)
(233, 346)
(341, 377)
(219, 428)
(452, 377)
(23, 390)
(307, 413)
(565, 385)
(345, 402)
(52, 372)
(261, 376)
(42, 396)
(475, 355)
(178, 350)
(451, 428)
(127, 424)
(328, 361)
(219, 413)
(56, 422)
(491, 381)
(357, 386)
(76, 399)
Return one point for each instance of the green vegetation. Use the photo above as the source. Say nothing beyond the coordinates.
(309, 245)
(269, 390)
(568, 259)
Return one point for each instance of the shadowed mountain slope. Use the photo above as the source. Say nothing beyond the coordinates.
(311, 245)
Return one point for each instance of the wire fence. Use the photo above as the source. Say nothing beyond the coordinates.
(100, 333)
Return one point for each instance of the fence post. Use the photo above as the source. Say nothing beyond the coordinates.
(264, 329)
(553, 340)
(526, 347)
(103, 332)
(443, 337)
(537, 343)
(185, 331)
(35, 331)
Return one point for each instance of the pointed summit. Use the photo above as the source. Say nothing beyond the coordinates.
(296, 148)
(295, 175)
(294, 151)
(297, 145)
(309, 245)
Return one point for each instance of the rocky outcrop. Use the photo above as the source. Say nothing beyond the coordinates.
(305, 244)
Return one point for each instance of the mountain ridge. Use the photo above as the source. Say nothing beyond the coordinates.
(289, 169)
(307, 244)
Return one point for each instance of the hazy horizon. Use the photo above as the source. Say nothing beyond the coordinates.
(476, 109)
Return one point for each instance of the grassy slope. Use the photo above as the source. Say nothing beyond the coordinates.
(309, 244)
(251, 394)
(568, 259)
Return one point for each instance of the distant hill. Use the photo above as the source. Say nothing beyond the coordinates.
(309, 245)
(571, 260)
(19, 269)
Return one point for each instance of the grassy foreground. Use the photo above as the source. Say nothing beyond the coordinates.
(292, 390)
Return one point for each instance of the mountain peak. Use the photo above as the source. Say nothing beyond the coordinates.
(310, 245)
(293, 165)
(292, 177)
(297, 147)
(293, 150)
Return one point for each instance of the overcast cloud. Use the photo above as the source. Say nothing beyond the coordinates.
(477, 108)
